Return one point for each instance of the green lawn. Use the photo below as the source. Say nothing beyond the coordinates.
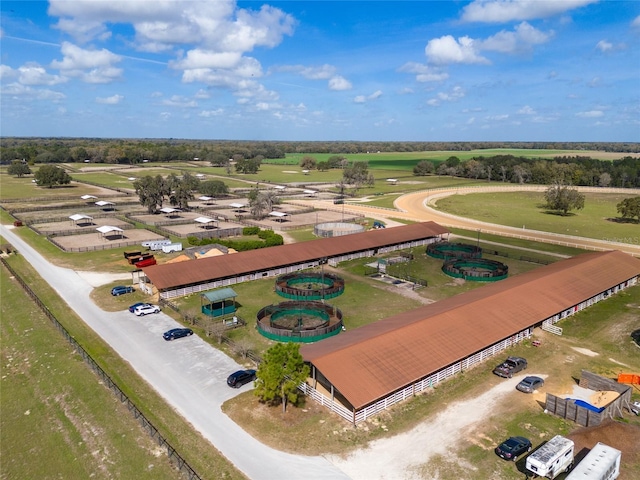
(526, 209)
(13, 187)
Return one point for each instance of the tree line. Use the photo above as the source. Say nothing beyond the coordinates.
(134, 151)
(582, 171)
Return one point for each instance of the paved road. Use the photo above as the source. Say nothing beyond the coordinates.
(188, 373)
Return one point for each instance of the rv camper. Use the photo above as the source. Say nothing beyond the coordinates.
(601, 463)
(552, 458)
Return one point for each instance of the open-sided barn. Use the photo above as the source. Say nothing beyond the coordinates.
(177, 279)
(362, 371)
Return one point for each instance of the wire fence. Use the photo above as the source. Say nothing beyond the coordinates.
(177, 459)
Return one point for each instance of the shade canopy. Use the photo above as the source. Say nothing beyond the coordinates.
(87, 197)
(204, 220)
(78, 216)
(104, 203)
(218, 295)
(104, 229)
(169, 210)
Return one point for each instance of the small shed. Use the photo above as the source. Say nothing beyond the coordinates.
(79, 218)
(216, 303)
(106, 230)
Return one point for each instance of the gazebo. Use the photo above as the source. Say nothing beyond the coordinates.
(216, 303)
(105, 230)
(237, 207)
(80, 218)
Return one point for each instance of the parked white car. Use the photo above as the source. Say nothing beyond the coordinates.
(146, 309)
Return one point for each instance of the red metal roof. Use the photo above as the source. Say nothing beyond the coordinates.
(174, 275)
(369, 363)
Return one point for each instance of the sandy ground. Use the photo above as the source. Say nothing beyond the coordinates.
(400, 456)
(96, 279)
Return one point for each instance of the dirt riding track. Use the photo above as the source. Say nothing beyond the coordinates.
(417, 207)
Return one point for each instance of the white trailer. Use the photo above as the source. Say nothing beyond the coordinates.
(601, 463)
(156, 244)
(552, 458)
(172, 247)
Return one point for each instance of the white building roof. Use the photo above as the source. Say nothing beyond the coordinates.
(236, 205)
(205, 198)
(78, 216)
(87, 197)
(204, 220)
(278, 214)
(169, 210)
(103, 203)
(107, 229)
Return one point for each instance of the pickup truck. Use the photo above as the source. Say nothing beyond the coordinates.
(510, 366)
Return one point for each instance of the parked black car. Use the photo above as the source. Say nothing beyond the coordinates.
(120, 290)
(513, 447)
(529, 384)
(241, 377)
(510, 366)
(177, 333)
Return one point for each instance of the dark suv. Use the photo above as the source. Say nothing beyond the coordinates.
(177, 333)
(510, 366)
(239, 378)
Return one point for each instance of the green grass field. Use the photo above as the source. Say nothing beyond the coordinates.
(526, 209)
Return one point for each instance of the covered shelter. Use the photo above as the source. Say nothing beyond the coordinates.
(279, 216)
(88, 197)
(369, 369)
(170, 211)
(206, 222)
(310, 193)
(105, 205)
(79, 218)
(217, 303)
(237, 207)
(207, 199)
(392, 181)
(106, 230)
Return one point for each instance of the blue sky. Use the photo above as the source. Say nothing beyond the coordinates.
(489, 70)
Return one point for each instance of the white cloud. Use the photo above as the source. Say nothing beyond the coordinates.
(519, 40)
(502, 11)
(179, 101)
(527, 110)
(497, 118)
(339, 83)
(446, 50)
(211, 113)
(604, 46)
(636, 22)
(322, 72)
(112, 100)
(16, 89)
(34, 74)
(456, 93)
(424, 73)
(202, 94)
(363, 98)
(91, 66)
(199, 58)
(590, 114)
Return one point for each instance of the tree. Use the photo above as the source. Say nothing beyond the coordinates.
(424, 167)
(562, 198)
(308, 162)
(280, 373)
(323, 166)
(182, 190)
(213, 188)
(50, 175)
(248, 166)
(357, 175)
(19, 169)
(151, 191)
(629, 208)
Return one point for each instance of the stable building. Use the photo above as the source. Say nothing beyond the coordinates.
(360, 372)
(184, 278)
